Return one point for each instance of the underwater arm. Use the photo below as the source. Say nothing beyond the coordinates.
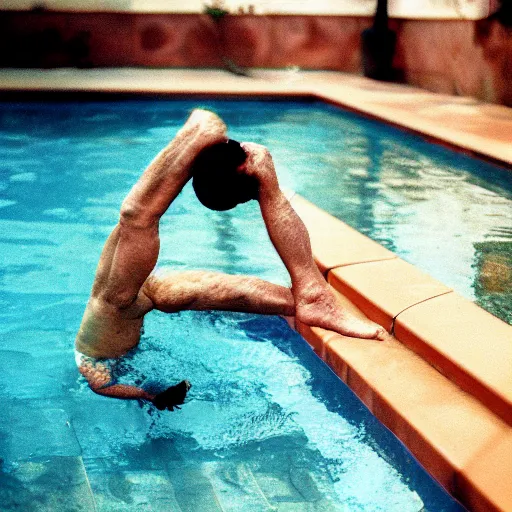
(100, 381)
(169, 399)
(123, 391)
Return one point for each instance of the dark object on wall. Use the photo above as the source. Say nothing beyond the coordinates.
(44, 47)
(378, 46)
(218, 15)
(504, 13)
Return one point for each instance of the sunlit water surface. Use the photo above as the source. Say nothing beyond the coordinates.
(267, 426)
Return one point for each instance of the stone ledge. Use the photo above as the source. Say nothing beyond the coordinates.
(336, 244)
(445, 428)
(467, 344)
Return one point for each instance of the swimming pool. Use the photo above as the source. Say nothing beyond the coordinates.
(268, 425)
(445, 212)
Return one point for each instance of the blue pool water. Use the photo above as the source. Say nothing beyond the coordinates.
(268, 426)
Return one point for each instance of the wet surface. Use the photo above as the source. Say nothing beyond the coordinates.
(267, 425)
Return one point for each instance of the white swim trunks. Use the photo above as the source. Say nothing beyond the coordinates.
(102, 366)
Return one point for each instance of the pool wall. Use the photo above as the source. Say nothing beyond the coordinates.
(461, 57)
(443, 384)
(449, 399)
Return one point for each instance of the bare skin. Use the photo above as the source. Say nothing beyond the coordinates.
(315, 304)
(126, 287)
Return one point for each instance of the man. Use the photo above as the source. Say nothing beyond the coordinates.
(127, 287)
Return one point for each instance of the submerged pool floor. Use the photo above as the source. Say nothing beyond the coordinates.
(268, 425)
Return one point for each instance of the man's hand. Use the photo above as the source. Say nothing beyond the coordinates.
(172, 397)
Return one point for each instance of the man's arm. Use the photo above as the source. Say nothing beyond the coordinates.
(99, 379)
(124, 392)
(315, 304)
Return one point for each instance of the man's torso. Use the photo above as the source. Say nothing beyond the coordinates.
(107, 332)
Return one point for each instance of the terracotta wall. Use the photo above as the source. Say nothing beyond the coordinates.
(460, 57)
(470, 58)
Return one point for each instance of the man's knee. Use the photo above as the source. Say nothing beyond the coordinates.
(135, 215)
(173, 291)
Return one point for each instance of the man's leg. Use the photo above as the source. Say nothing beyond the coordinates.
(315, 304)
(201, 290)
(131, 251)
(130, 255)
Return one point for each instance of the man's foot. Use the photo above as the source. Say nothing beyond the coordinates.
(318, 308)
(205, 128)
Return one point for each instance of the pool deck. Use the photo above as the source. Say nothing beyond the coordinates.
(443, 382)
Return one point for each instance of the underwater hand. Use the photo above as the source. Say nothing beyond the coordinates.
(172, 397)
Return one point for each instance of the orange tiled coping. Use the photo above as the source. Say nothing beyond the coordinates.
(464, 342)
(449, 398)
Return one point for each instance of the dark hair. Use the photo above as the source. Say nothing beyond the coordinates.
(216, 182)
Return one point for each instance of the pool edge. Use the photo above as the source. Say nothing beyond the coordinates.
(431, 115)
(435, 379)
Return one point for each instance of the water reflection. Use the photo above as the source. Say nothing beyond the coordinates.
(493, 277)
(425, 203)
(226, 238)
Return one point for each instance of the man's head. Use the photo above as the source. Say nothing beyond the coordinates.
(216, 181)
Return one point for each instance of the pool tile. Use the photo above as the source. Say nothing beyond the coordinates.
(467, 344)
(47, 484)
(314, 336)
(28, 376)
(192, 487)
(39, 431)
(277, 488)
(485, 483)
(333, 242)
(235, 486)
(132, 491)
(383, 289)
(323, 505)
(443, 426)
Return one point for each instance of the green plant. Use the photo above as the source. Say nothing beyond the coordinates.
(216, 13)
(216, 10)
